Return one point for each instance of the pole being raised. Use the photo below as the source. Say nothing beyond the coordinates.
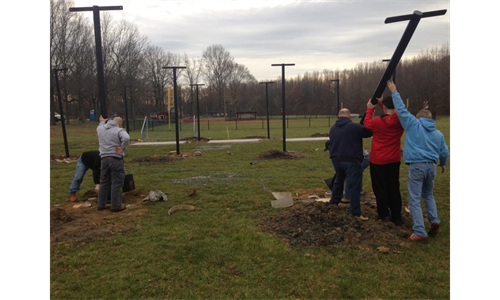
(414, 19)
(126, 105)
(98, 50)
(283, 99)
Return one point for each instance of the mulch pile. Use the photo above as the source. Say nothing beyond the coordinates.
(276, 154)
(62, 158)
(319, 224)
(169, 157)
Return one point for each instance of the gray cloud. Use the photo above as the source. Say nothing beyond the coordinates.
(319, 34)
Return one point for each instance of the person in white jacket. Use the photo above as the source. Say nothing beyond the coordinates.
(113, 140)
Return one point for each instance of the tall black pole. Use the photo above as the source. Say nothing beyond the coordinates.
(393, 74)
(338, 94)
(176, 107)
(61, 111)
(126, 106)
(267, 107)
(98, 51)
(283, 99)
(413, 19)
(197, 107)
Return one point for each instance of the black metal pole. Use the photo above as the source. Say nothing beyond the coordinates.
(61, 111)
(176, 107)
(126, 106)
(338, 94)
(267, 107)
(393, 74)
(413, 19)
(98, 51)
(283, 99)
(197, 106)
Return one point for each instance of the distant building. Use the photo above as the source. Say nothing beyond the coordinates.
(246, 115)
(162, 116)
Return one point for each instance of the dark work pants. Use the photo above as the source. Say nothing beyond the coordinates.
(352, 174)
(385, 184)
(112, 177)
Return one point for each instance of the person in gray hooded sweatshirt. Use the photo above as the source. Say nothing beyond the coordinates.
(113, 140)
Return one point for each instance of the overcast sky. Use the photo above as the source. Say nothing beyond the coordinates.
(315, 35)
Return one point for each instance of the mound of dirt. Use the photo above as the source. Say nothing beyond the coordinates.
(195, 139)
(319, 224)
(80, 221)
(276, 154)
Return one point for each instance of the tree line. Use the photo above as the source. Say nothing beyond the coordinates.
(130, 59)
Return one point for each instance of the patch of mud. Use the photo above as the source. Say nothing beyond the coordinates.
(62, 158)
(209, 180)
(159, 158)
(320, 135)
(195, 140)
(212, 148)
(78, 225)
(319, 224)
(276, 154)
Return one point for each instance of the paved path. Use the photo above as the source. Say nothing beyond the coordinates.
(242, 141)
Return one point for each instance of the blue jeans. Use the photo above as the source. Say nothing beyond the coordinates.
(364, 164)
(353, 175)
(421, 183)
(81, 169)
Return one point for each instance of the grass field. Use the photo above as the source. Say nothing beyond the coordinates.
(218, 251)
(216, 128)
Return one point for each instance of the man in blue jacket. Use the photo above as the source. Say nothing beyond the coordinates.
(424, 146)
(346, 153)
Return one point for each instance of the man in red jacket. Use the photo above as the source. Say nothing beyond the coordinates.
(385, 159)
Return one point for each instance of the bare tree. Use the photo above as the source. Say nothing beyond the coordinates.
(217, 67)
(192, 75)
(239, 77)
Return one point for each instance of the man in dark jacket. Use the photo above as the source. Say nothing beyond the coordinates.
(88, 160)
(346, 153)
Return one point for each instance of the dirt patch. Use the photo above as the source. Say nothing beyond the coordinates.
(209, 180)
(212, 148)
(72, 224)
(62, 158)
(320, 134)
(276, 154)
(319, 224)
(195, 140)
(169, 157)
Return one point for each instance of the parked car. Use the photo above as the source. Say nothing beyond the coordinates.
(57, 117)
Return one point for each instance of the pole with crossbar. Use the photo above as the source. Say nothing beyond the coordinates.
(283, 98)
(413, 19)
(197, 107)
(267, 106)
(175, 108)
(98, 50)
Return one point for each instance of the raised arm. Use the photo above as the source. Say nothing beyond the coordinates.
(407, 120)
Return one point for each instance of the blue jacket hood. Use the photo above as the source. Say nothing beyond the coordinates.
(428, 124)
(342, 121)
